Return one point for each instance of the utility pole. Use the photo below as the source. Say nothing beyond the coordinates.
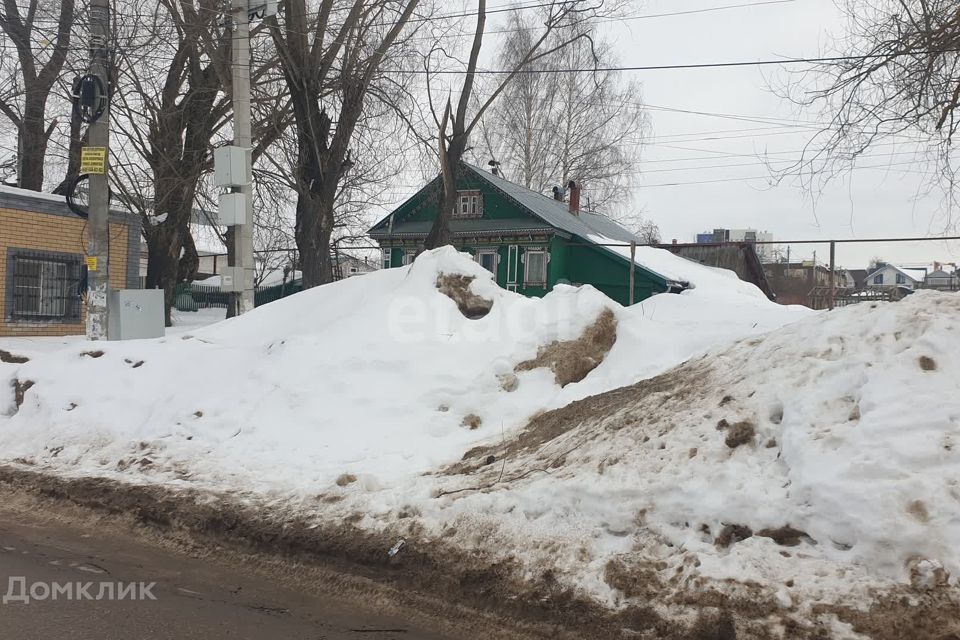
(833, 274)
(98, 231)
(242, 138)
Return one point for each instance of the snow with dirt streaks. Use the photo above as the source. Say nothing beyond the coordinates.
(854, 444)
(855, 417)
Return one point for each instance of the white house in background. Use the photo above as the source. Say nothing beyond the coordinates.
(888, 276)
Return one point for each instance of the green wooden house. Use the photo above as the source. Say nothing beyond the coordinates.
(530, 241)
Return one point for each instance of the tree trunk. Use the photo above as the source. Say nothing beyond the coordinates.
(163, 263)
(33, 147)
(313, 232)
(440, 234)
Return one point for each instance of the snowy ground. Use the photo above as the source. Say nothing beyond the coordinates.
(846, 423)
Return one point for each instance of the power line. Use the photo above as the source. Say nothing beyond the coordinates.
(699, 65)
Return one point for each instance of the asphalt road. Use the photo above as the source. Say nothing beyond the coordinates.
(195, 599)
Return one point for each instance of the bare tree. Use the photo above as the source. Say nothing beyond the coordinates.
(649, 232)
(329, 59)
(458, 122)
(23, 98)
(174, 107)
(896, 77)
(551, 126)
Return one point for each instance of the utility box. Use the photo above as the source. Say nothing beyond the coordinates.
(135, 314)
(233, 279)
(232, 209)
(231, 166)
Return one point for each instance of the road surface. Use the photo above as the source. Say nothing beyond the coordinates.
(195, 598)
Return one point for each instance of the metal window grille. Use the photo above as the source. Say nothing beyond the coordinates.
(45, 288)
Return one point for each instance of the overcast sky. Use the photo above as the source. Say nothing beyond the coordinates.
(869, 203)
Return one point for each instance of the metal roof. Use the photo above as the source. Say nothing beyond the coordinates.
(557, 213)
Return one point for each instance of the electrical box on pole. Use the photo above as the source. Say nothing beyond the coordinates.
(232, 209)
(236, 279)
(231, 166)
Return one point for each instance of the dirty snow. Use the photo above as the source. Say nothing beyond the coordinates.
(857, 420)
(374, 376)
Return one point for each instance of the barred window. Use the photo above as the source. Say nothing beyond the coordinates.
(45, 287)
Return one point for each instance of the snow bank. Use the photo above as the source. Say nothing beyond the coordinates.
(848, 480)
(366, 387)
(370, 376)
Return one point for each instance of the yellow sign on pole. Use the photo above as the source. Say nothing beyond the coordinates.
(93, 160)
(91, 263)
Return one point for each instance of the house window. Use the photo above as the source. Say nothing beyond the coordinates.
(408, 256)
(488, 259)
(386, 258)
(44, 287)
(878, 279)
(901, 279)
(469, 205)
(535, 268)
(353, 269)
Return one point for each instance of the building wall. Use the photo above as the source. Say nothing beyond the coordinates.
(610, 274)
(572, 262)
(45, 224)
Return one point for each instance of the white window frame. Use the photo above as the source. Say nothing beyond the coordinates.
(408, 256)
(876, 277)
(385, 260)
(488, 252)
(901, 279)
(469, 204)
(527, 281)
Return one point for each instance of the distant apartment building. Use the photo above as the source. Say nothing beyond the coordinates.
(764, 251)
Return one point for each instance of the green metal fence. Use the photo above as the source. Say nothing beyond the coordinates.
(190, 296)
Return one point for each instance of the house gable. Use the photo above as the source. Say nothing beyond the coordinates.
(889, 274)
(498, 211)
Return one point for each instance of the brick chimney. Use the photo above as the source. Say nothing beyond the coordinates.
(574, 198)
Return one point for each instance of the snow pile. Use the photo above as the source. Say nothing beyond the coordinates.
(819, 462)
(373, 376)
(705, 280)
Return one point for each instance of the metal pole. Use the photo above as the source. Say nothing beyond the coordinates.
(98, 232)
(833, 266)
(633, 266)
(242, 137)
